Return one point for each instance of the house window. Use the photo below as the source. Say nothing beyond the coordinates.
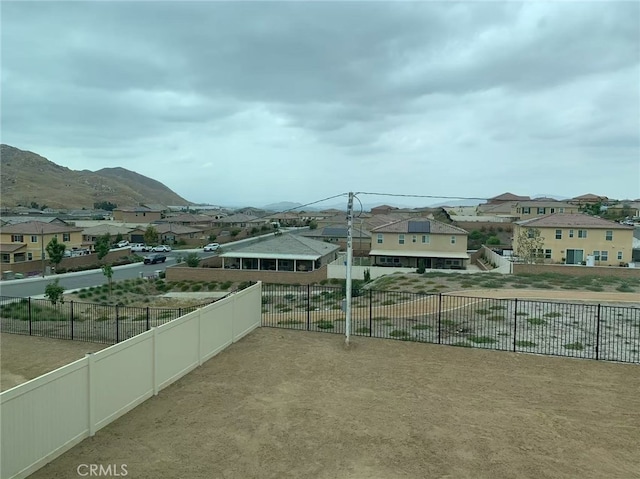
(400, 239)
(560, 210)
(531, 233)
(66, 237)
(570, 233)
(414, 239)
(526, 211)
(29, 256)
(604, 255)
(17, 238)
(541, 211)
(582, 233)
(425, 239)
(596, 255)
(389, 260)
(608, 235)
(6, 258)
(552, 210)
(453, 240)
(379, 238)
(34, 238)
(543, 253)
(558, 234)
(619, 255)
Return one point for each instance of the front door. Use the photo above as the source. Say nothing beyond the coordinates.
(575, 256)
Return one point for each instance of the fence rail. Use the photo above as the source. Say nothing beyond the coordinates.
(592, 331)
(82, 321)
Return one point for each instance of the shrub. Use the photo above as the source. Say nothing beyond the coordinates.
(526, 344)
(536, 321)
(483, 311)
(226, 285)
(577, 346)
(496, 317)
(324, 324)
(399, 333)
(363, 330)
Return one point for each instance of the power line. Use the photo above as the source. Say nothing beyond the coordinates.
(400, 195)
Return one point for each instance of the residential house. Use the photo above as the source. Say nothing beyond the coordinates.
(137, 214)
(416, 243)
(286, 252)
(12, 220)
(28, 241)
(91, 234)
(533, 209)
(383, 210)
(171, 233)
(192, 220)
(588, 199)
(337, 234)
(573, 238)
(240, 220)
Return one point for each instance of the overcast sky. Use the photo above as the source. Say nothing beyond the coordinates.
(253, 103)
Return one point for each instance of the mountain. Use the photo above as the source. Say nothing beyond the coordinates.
(30, 178)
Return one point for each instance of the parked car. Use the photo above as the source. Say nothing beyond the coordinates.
(163, 248)
(212, 247)
(122, 244)
(139, 247)
(155, 258)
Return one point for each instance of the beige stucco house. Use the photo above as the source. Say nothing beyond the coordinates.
(419, 242)
(28, 241)
(525, 210)
(573, 238)
(137, 214)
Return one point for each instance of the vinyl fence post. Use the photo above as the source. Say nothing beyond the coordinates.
(439, 318)
(117, 326)
(72, 320)
(515, 324)
(29, 306)
(598, 333)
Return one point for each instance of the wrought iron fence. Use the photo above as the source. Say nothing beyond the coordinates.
(82, 321)
(592, 331)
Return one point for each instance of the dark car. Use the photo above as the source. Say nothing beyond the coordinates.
(155, 258)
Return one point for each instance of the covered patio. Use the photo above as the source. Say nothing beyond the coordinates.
(417, 259)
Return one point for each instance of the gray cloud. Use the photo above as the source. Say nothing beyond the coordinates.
(354, 88)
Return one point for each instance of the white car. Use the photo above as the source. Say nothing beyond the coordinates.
(139, 248)
(212, 247)
(163, 248)
(122, 244)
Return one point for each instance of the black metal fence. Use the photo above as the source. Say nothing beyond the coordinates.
(593, 331)
(81, 321)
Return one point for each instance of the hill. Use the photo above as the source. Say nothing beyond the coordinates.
(30, 178)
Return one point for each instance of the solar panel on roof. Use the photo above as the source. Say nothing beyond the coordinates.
(335, 232)
(419, 227)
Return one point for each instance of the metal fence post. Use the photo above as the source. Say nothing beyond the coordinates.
(598, 333)
(439, 318)
(29, 306)
(308, 307)
(370, 312)
(515, 324)
(71, 320)
(117, 326)
(148, 318)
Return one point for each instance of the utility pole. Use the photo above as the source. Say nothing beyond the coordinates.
(349, 264)
(42, 248)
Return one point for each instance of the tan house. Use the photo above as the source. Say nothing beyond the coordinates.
(137, 214)
(578, 239)
(28, 241)
(170, 233)
(525, 210)
(416, 243)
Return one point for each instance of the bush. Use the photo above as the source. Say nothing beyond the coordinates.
(192, 260)
(54, 292)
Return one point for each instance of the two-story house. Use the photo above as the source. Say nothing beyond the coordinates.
(137, 214)
(28, 241)
(572, 238)
(419, 242)
(525, 210)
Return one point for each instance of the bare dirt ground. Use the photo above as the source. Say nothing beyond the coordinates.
(26, 357)
(294, 404)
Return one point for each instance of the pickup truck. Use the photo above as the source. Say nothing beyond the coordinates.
(139, 248)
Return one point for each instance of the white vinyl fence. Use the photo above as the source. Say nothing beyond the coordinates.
(43, 418)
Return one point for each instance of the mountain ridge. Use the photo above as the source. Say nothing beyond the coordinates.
(29, 178)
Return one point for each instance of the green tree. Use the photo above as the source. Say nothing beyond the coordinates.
(55, 251)
(103, 245)
(107, 270)
(151, 235)
(104, 205)
(235, 232)
(192, 260)
(54, 292)
(313, 225)
(118, 238)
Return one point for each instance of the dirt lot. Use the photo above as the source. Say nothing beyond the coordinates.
(294, 404)
(26, 357)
